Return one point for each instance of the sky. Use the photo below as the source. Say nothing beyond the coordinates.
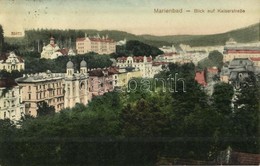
(133, 16)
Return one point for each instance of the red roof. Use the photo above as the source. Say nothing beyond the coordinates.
(255, 58)
(159, 63)
(100, 72)
(244, 51)
(80, 39)
(200, 78)
(107, 40)
(64, 51)
(136, 58)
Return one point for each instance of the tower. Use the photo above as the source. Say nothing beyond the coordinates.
(70, 69)
(52, 41)
(83, 67)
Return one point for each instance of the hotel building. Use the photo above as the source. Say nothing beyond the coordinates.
(97, 44)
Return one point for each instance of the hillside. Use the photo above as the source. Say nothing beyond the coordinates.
(247, 34)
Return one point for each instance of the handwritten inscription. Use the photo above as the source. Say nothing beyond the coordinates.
(16, 33)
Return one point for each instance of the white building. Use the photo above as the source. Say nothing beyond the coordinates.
(142, 63)
(233, 50)
(10, 62)
(76, 85)
(168, 49)
(51, 51)
(11, 106)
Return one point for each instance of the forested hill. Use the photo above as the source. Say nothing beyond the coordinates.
(68, 37)
(243, 35)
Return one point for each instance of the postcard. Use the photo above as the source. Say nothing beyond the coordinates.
(133, 82)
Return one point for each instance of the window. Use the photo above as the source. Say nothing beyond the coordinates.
(29, 97)
(29, 88)
(4, 114)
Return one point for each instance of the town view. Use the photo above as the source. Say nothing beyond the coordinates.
(91, 95)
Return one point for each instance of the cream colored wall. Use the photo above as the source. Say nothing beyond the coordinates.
(11, 104)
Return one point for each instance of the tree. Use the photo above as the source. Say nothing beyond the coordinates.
(222, 98)
(1, 39)
(45, 109)
(215, 58)
(245, 121)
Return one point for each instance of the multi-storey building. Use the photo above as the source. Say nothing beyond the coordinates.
(100, 45)
(142, 63)
(234, 50)
(11, 106)
(37, 88)
(10, 62)
(52, 50)
(76, 85)
(102, 81)
(60, 90)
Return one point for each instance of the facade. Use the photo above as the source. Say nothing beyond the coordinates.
(76, 85)
(51, 51)
(142, 63)
(174, 58)
(60, 90)
(102, 81)
(10, 62)
(37, 88)
(11, 106)
(238, 70)
(100, 45)
(233, 50)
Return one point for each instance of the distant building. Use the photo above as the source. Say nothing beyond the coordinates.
(102, 81)
(37, 88)
(200, 77)
(121, 42)
(233, 50)
(100, 45)
(168, 49)
(10, 62)
(142, 63)
(238, 70)
(11, 106)
(174, 58)
(76, 85)
(60, 90)
(53, 51)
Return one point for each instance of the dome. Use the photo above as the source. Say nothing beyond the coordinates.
(83, 63)
(70, 65)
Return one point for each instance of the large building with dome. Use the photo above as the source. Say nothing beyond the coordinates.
(61, 90)
(53, 51)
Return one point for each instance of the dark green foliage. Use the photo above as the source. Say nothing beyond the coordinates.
(136, 48)
(137, 127)
(45, 109)
(215, 58)
(58, 65)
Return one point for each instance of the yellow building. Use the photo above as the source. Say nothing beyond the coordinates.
(124, 77)
(42, 87)
(100, 45)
